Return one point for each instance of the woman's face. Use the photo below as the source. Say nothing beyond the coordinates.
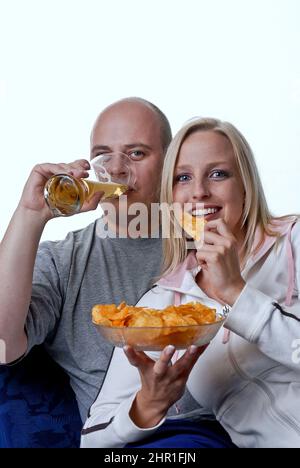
(206, 173)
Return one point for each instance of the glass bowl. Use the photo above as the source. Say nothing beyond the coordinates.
(157, 338)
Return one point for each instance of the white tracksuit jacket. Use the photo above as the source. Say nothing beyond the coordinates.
(249, 376)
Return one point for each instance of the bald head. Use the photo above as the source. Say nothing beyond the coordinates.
(138, 129)
(137, 112)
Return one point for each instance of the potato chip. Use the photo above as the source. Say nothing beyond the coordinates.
(107, 310)
(99, 320)
(173, 319)
(145, 318)
(192, 313)
(192, 225)
(148, 320)
(146, 328)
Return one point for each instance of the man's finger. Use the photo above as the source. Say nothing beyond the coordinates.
(84, 163)
(93, 203)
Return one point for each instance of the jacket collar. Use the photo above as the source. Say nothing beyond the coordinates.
(175, 279)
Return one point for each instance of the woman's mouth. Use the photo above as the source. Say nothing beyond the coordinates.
(207, 213)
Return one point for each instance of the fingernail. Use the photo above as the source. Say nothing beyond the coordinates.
(126, 349)
(169, 350)
(193, 349)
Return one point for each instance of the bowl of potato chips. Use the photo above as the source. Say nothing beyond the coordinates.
(147, 329)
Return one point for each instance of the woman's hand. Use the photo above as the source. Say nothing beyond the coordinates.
(162, 383)
(218, 257)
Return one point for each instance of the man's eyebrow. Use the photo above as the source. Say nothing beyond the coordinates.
(100, 148)
(138, 145)
(126, 147)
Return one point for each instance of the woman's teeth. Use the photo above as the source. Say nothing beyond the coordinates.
(205, 212)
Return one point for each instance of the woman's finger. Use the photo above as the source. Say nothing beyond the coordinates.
(218, 249)
(136, 358)
(186, 363)
(221, 227)
(208, 255)
(161, 366)
(212, 238)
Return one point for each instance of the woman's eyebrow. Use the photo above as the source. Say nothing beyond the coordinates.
(186, 167)
(216, 163)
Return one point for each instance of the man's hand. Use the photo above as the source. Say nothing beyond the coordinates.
(32, 198)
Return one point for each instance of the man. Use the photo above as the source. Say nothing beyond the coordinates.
(47, 291)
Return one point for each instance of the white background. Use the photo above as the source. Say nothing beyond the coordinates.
(63, 61)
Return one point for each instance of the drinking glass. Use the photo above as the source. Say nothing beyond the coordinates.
(111, 173)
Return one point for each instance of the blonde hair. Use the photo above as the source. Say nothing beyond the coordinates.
(255, 212)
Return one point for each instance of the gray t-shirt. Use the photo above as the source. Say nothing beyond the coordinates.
(72, 275)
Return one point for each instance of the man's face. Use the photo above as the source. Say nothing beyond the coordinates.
(132, 128)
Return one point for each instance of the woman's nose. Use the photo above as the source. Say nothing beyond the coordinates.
(200, 191)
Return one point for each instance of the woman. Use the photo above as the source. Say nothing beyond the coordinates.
(248, 377)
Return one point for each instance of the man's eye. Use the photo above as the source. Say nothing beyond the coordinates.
(137, 154)
(100, 153)
(182, 178)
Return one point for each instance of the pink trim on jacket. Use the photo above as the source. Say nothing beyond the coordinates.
(175, 278)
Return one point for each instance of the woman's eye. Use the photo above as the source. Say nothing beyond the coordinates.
(182, 178)
(218, 174)
(137, 154)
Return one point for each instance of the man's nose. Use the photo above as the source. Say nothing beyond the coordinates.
(116, 166)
